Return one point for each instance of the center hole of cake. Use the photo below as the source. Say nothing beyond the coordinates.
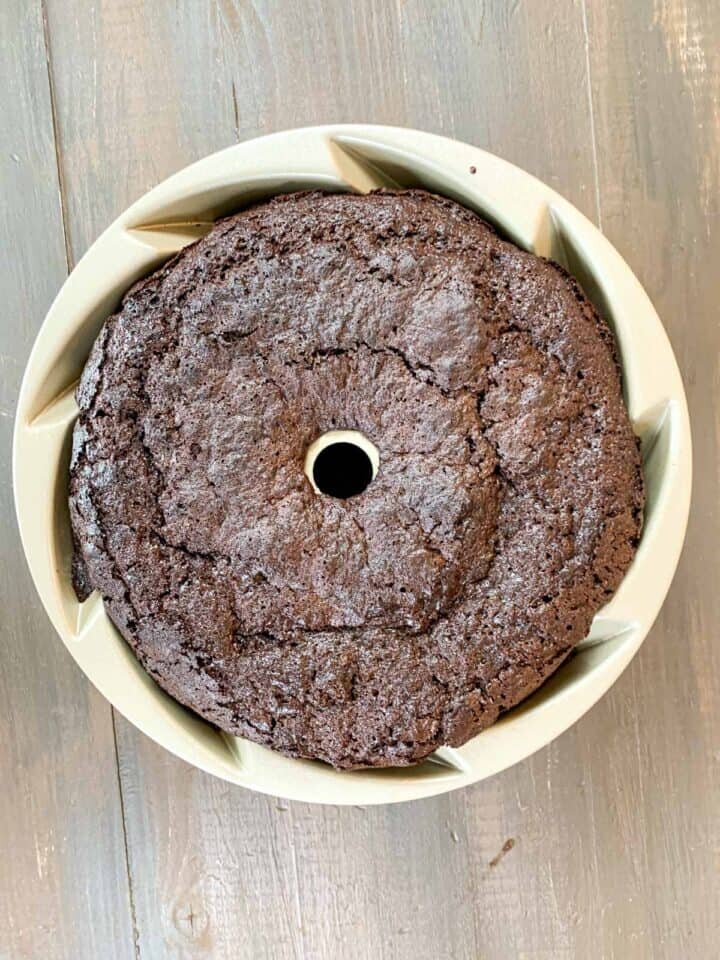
(341, 463)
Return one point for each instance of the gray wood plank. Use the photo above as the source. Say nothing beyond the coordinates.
(63, 885)
(608, 857)
(655, 71)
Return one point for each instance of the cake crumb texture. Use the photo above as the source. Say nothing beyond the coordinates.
(372, 630)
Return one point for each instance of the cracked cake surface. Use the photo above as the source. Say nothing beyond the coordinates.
(506, 509)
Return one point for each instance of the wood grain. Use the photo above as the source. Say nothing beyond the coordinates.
(63, 881)
(659, 182)
(601, 845)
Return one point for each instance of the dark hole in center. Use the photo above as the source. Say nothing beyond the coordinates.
(342, 470)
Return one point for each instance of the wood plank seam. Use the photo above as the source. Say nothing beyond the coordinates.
(131, 892)
(56, 134)
(236, 113)
(591, 112)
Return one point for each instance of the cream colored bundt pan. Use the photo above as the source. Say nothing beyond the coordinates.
(356, 158)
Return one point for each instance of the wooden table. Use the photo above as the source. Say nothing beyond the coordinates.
(606, 843)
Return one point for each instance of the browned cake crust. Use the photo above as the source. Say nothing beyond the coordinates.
(507, 507)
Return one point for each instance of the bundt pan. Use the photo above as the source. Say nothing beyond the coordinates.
(341, 158)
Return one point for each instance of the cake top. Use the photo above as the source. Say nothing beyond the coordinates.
(369, 629)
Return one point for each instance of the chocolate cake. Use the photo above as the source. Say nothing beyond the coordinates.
(365, 628)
